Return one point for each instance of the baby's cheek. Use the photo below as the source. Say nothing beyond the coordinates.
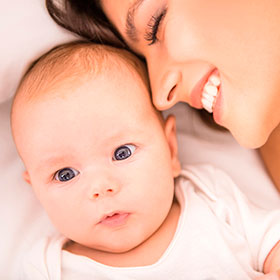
(270, 276)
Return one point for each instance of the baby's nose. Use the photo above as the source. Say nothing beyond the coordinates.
(98, 192)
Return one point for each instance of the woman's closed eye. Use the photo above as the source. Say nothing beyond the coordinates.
(124, 152)
(153, 27)
(66, 174)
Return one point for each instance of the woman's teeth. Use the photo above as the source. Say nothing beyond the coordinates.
(210, 92)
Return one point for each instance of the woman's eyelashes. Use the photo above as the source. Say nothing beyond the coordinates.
(66, 174)
(124, 152)
(153, 27)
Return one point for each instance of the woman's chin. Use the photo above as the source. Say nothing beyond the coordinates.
(250, 139)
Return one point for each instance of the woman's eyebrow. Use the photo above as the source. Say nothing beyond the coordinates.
(130, 29)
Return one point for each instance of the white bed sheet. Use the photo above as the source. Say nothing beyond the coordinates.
(28, 31)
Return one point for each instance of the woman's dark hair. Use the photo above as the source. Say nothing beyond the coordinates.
(85, 18)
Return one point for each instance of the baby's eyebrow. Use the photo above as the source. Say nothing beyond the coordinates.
(130, 29)
(52, 162)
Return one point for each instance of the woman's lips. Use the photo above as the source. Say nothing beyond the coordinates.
(114, 219)
(207, 94)
(218, 108)
(196, 93)
(210, 92)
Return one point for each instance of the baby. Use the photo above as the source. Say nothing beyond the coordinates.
(103, 163)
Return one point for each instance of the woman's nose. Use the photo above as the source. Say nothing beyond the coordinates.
(164, 87)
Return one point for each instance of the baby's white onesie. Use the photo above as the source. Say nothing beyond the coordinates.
(220, 235)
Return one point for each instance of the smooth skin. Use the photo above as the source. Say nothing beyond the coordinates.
(81, 129)
(239, 38)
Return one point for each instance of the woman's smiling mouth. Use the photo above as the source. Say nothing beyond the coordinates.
(205, 92)
(210, 92)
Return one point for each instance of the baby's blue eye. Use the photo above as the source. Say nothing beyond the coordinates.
(66, 174)
(123, 152)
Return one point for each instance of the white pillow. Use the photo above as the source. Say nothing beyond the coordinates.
(26, 32)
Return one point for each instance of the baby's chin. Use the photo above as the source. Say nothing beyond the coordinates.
(118, 247)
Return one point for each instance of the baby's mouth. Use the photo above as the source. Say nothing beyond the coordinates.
(114, 219)
(210, 92)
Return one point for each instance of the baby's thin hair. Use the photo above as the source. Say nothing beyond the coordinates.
(70, 62)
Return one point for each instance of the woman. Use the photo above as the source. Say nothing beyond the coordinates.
(219, 55)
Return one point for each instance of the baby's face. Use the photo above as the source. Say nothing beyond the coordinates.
(100, 161)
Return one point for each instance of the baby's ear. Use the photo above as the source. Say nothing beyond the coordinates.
(170, 133)
(26, 177)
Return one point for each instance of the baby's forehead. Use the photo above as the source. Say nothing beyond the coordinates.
(61, 72)
(77, 71)
(70, 66)
(73, 64)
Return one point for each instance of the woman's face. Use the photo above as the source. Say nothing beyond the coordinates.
(189, 43)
